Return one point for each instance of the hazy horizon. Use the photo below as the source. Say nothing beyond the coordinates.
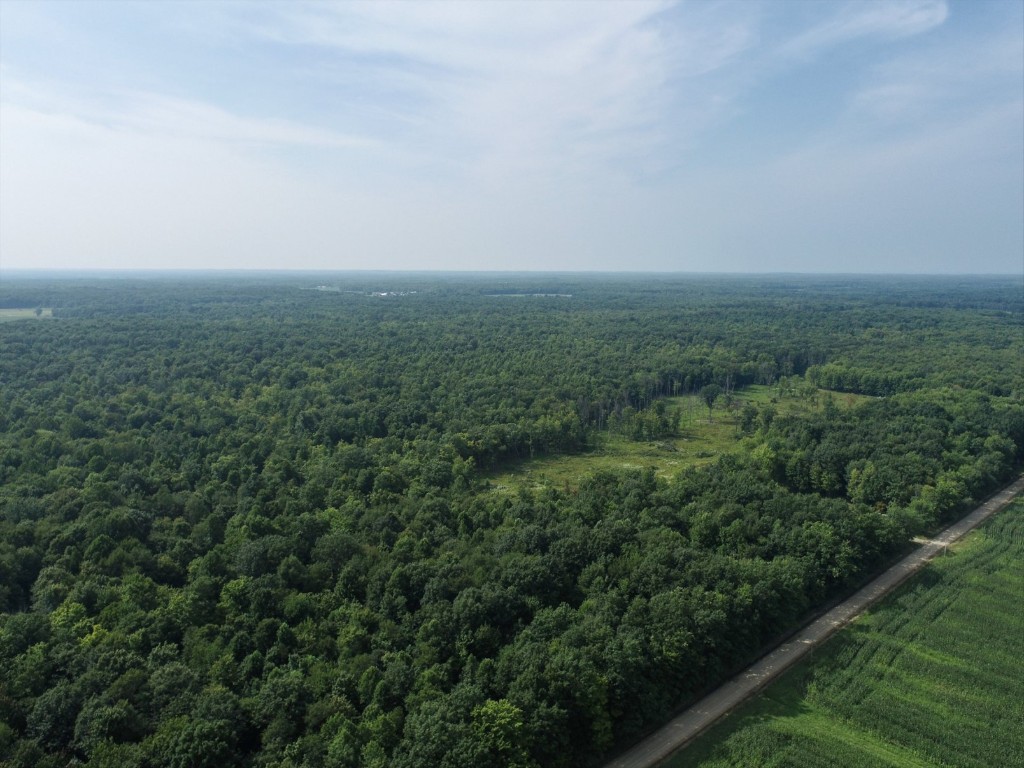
(227, 271)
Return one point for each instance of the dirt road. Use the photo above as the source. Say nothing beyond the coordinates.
(684, 728)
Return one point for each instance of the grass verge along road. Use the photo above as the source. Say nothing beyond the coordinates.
(682, 729)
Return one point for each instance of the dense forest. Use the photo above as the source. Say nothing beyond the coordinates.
(245, 520)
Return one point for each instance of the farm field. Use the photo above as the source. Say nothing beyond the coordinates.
(24, 313)
(699, 441)
(927, 679)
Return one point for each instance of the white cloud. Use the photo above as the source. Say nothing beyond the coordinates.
(883, 20)
(151, 113)
(560, 136)
(941, 81)
(159, 115)
(508, 89)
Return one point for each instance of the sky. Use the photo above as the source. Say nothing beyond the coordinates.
(861, 137)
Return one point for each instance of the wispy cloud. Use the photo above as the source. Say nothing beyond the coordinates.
(512, 88)
(647, 134)
(156, 114)
(857, 20)
(153, 113)
(942, 80)
(495, 93)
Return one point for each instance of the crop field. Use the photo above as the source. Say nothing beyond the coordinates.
(700, 440)
(929, 678)
(24, 313)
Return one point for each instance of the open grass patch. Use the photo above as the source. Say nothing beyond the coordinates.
(930, 677)
(701, 438)
(25, 313)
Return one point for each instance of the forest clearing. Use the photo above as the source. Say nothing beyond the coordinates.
(24, 313)
(700, 436)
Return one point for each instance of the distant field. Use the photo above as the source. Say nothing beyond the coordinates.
(930, 678)
(699, 443)
(24, 313)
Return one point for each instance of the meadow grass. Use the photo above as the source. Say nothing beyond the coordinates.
(702, 438)
(930, 677)
(23, 313)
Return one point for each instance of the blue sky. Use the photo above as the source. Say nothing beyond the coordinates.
(663, 136)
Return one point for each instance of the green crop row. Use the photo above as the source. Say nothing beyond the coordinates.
(929, 678)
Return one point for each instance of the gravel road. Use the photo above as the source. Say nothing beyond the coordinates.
(682, 729)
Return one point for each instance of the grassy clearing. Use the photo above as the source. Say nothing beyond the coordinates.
(931, 677)
(700, 441)
(24, 313)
